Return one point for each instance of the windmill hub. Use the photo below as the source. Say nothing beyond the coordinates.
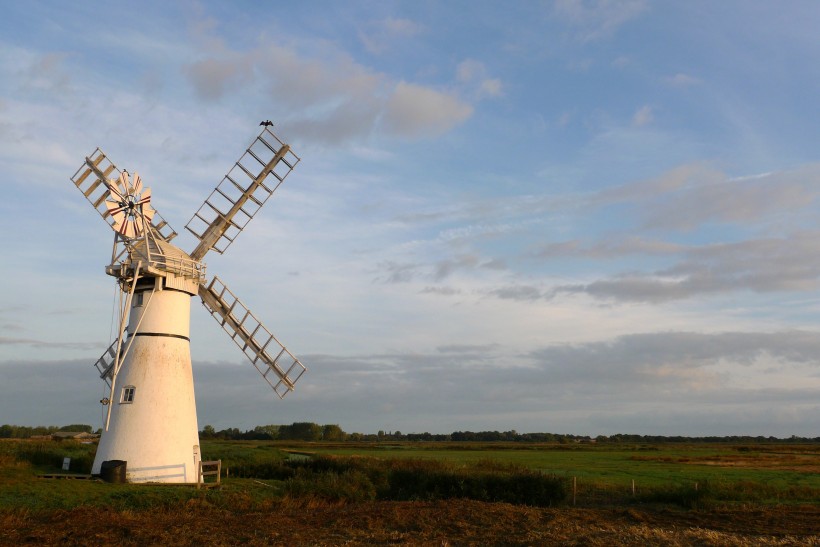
(151, 411)
(130, 204)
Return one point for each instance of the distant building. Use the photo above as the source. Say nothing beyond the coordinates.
(74, 436)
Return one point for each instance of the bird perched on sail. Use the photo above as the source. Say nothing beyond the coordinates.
(266, 123)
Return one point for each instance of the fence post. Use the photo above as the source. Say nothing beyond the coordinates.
(574, 489)
(633, 487)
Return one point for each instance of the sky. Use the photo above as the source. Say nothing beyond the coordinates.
(572, 216)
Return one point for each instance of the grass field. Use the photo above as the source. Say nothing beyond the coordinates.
(764, 473)
(428, 493)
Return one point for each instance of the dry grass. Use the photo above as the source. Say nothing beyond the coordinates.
(454, 522)
(778, 461)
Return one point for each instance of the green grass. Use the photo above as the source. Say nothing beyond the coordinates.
(21, 487)
(652, 467)
(263, 471)
(245, 458)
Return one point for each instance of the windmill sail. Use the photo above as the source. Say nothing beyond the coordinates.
(105, 364)
(241, 193)
(129, 205)
(92, 179)
(274, 362)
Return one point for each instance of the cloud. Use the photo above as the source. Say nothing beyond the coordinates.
(48, 74)
(443, 291)
(461, 348)
(631, 383)
(598, 19)
(735, 201)
(380, 36)
(446, 267)
(488, 218)
(666, 356)
(50, 392)
(472, 386)
(491, 88)
(689, 196)
(681, 80)
(474, 73)
(329, 97)
(414, 110)
(5, 340)
(398, 272)
(401, 27)
(317, 82)
(637, 288)
(634, 251)
(771, 243)
(643, 116)
(763, 265)
(607, 248)
(495, 264)
(404, 272)
(621, 61)
(657, 265)
(469, 231)
(517, 292)
(212, 77)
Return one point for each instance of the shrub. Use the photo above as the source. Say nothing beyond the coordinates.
(689, 496)
(51, 454)
(398, 480)
(244, 461)
(519, 486)
(350, 485)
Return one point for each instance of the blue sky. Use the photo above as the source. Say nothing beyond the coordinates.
(584, 217)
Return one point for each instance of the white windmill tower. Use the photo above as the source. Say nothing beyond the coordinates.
(151, 412)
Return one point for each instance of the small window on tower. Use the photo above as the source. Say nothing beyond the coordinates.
(138, 299)
(128, 394)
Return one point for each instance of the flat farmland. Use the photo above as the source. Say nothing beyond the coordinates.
(299, 493)
(775, 466)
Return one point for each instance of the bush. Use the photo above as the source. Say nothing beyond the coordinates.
(516, 486)
(245, 460)
(51, 454)
(350, 485)
(689, 496)
(399, 480)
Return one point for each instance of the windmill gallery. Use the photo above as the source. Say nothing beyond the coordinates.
(150, 421)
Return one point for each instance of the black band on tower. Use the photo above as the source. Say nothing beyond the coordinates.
(162, 334)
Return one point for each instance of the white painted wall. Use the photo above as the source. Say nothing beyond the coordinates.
(157, 434)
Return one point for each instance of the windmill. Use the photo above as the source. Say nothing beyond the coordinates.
(150, 418)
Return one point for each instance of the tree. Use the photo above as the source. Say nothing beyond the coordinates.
(77, 427)
(301, 431)
(332, 432)
(267, 432)
(230, 433)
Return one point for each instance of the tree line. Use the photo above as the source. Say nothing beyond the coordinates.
(24, 432)
(309, 431)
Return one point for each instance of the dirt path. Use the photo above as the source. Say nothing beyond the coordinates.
(456, 522)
